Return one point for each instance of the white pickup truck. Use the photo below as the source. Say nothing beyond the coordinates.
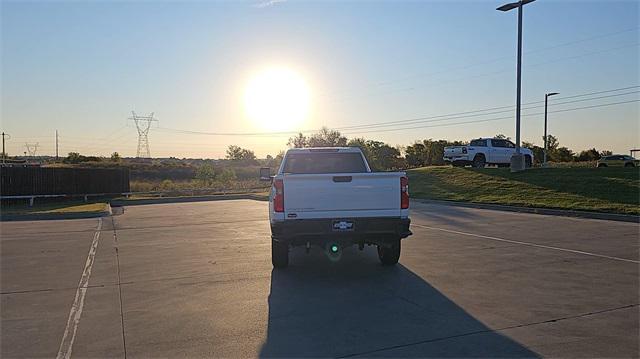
(484, 151)
(329, 197)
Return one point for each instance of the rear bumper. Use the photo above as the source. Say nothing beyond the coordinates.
(378, 230)
(463, 158)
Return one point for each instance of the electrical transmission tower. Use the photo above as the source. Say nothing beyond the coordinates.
(32, 148)
(143, 124)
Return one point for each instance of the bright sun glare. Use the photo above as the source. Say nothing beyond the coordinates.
(277, 99)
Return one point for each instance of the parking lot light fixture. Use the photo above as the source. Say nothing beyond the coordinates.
(546, 100)
(513, 5)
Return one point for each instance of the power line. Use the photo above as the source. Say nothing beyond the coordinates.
(487, 120)
(489, 74)
(482, 112)
(491, 119)
(471, 113)
(189, 132)
(586, 54)
(594, 93)
(510, 108)
(403, 123)
(105, 141)
(433, 84)
(583, 40)
(72, 139)
(484, 62)
(100, 145)
(589, 99)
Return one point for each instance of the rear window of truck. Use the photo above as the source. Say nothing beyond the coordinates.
(335, 162)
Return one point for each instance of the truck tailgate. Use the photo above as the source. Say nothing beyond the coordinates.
(342, 195)
(453, 151)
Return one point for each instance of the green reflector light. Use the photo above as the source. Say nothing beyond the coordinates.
(334, 248)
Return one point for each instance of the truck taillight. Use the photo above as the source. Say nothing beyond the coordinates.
(404, 192)
(278, 198)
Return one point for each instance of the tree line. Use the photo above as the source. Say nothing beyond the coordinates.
(428, 152)
(381, 156)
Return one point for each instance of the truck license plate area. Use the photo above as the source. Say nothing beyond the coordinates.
(342, 225)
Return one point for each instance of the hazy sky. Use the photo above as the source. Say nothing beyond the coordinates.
(81, 67)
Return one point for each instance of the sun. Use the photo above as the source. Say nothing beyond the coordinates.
(277, 99)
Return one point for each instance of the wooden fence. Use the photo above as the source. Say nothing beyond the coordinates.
(24, 181)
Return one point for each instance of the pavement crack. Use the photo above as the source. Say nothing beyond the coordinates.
(26, 291)
(577, 316)
(426, 341)
(141, 281)
(205, 275)
(115, 239)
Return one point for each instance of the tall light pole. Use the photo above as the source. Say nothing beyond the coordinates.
(546, 101)
(57, 145)
(517, 161)
(4, 153)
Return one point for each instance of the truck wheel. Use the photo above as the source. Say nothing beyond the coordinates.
(628, 164)
(279, 254)
(527, 161)
(389, 255)
(479, 161)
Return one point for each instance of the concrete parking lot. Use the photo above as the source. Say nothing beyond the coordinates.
(195, 280)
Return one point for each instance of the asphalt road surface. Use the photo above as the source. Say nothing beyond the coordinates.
(195, 280)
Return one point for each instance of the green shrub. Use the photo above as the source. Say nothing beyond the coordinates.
(167, 185)
(227, 176)
(206, 174)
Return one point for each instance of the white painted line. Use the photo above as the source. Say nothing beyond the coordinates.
(525, 243)
(76, 309)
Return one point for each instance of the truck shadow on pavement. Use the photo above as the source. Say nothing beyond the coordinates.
(356, 307)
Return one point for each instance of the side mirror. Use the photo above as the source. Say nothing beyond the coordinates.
(265, 174)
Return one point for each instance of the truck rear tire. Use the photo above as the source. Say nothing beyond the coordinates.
(279, 254)
(389, 255)
(479, 161)
(527, 161)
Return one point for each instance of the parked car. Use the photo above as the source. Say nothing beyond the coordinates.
(484, 151)
(329, 197)
(618, 161)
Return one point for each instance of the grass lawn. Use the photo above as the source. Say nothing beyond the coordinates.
(56, 208)
(590, 189)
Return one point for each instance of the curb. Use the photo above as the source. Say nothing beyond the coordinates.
(535, 210)
(56, 216)
(216, 197)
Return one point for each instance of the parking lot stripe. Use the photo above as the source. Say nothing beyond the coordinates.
(76, 309)
(526, 243)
